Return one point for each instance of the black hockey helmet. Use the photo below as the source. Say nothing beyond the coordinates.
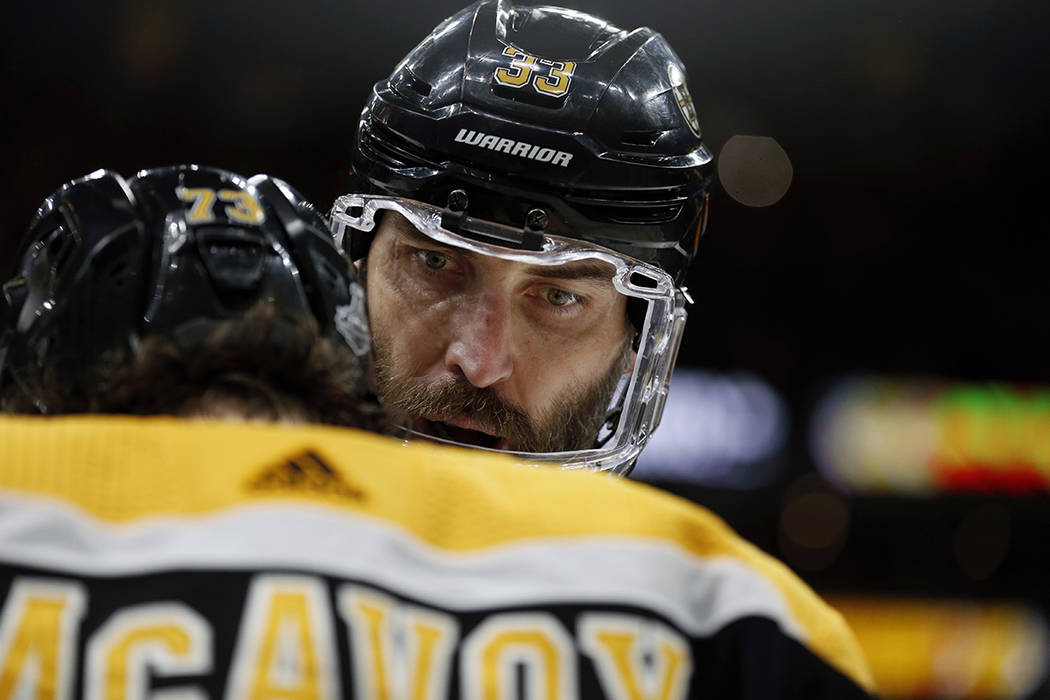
(543, 118)
(108, 261)
(544, 136)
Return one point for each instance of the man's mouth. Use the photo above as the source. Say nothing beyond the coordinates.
(457, 430)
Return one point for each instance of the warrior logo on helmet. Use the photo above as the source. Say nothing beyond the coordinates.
(683, 98)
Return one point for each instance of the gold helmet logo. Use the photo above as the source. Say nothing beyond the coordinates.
(525, 69)
(683, 98)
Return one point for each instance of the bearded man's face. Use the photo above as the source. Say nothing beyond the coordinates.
(493, 352)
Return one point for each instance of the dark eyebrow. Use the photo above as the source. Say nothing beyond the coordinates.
(588, 270)
(581, 270)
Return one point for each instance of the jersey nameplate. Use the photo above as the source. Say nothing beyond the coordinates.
(281, 637)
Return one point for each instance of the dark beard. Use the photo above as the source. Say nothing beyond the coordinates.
(571, 424)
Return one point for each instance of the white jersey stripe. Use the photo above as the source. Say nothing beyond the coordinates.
(699, 594)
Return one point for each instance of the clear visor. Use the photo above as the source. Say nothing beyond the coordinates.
(513, 340)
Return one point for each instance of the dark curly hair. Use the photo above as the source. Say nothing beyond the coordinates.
(262, 366)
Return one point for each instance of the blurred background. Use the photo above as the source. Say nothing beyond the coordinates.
(864, 386)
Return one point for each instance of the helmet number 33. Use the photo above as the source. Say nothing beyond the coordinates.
(525, 69)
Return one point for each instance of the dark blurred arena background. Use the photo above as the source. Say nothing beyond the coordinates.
(864, 387)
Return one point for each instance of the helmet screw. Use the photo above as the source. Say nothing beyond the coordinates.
(536, 219)
(457, 200)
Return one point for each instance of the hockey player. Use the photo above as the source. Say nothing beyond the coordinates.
(185, 290)
(532, 188)
(144, 555)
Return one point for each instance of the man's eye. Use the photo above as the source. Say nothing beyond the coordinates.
(433, 259)
(560, 297)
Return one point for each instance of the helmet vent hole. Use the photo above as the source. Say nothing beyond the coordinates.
(60, 247)
(393, 149)
(641, 138)
(416, 85)
(409, 82)
(627, 207)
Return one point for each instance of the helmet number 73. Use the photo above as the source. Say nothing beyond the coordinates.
(524, 69)
(243, 207)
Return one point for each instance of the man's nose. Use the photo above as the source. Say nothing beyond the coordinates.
(480, 348)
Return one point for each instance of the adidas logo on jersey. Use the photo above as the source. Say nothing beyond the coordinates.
(514, 148)
(305, 472)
